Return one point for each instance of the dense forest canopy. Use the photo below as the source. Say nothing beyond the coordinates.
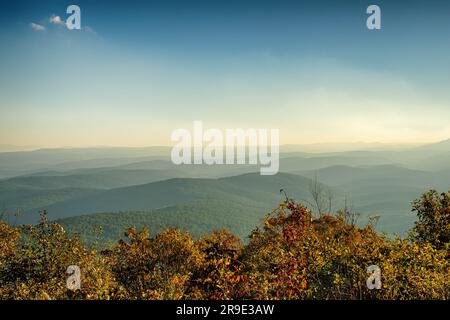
(295, 255)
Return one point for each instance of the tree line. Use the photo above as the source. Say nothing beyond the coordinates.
(294, 255)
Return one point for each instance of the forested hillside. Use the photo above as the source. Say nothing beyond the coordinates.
(294, 255)
(123, 183)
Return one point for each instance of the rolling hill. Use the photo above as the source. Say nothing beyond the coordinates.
(143, 182)
(236, 203)
(198, 218)
(249, 189)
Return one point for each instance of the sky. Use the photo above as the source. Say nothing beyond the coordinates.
(137, 70)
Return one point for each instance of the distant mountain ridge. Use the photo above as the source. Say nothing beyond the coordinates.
(84, 182)
(248, 189)
(64, 159)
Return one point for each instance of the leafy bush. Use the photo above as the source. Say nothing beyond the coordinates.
(293, 256)
(433, 226)
(35, 261)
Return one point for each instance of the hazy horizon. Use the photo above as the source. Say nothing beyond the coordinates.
(370, 144)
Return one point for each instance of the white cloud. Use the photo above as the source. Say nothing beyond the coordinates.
(56, 20)
(37, 27)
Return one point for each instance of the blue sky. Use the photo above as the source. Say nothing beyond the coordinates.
(139, 69)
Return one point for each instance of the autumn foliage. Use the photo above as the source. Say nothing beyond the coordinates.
(292, 256)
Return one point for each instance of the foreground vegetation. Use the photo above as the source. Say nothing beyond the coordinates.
(293, 256)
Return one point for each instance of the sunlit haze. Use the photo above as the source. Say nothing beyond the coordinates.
(133, 74)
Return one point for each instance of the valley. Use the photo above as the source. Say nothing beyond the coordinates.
(113, 189)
